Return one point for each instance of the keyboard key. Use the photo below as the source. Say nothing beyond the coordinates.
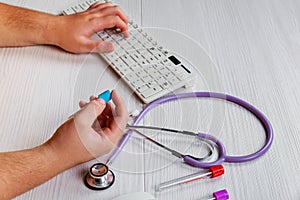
(155, 74)
(95, 37)
(174, 80)
(151, 91)
(161, 80)
(158, 56)
(165, 85)
(141, 73)
(182, 76)
(137, 83)
(91, 2)
(84, 5)
(132, 77)
(117, 61)
(103, 34)
(110, 31)
(125, 45)
(139, 47)
(163, 70)
(151, 70)
(135, 67)
(168, 75)
(128, 60)
(146, 78)
(142, 88)
(111, 56)
(152, 59)
(151, 84)
(148, 45)
(77, 9)
(174, 60)
(167, 62)
(118, 50)
(137, 57)
(144, 63)
(125, 70)
(117, 37)
(68, 11)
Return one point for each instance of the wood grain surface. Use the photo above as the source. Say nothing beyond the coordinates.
(249, 49)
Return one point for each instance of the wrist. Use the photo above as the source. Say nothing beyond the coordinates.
(56, 157)
(66, 146)
(51, 32)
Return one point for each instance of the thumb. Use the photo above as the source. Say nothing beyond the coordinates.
(99, 46)
(89, 113)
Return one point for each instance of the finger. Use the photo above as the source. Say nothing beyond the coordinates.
(110, 122)
(104, 47)
(116, 125)
(114, 10)
(82, 104)
(98, 46)
(110, 21)
(111, 137)
(121, 118)
(92, 98)
(100, 122)
(105, 115)
(120, 106)
(126, 34)
(108, 111)
(98, 6)
(94, 5)
(89, 113)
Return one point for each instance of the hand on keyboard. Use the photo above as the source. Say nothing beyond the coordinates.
(142, 63)
(78, 28)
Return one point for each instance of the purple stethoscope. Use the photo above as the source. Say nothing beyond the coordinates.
(221, 148)
(191, 160)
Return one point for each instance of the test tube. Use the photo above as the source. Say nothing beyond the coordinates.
(212, 172)
(220, 195)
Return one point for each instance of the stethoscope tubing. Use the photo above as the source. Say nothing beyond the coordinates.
(207, 142)
(221, 148)
(221, 151)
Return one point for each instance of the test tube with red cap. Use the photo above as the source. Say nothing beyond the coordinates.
(220, 195)
(212, 172)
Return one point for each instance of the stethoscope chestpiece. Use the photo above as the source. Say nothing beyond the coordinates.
(99, 177)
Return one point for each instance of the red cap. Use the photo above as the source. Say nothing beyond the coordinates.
(216, 171)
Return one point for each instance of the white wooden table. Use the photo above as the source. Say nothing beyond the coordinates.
(248, 49)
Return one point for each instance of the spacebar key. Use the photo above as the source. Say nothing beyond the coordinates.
(151, 91)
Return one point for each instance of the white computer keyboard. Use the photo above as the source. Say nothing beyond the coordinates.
(148, 69)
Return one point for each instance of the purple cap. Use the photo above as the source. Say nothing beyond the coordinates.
(221, 195)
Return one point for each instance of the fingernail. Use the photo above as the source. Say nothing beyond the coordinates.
(101, 101)
(81, 103)
(116, 94)
(105, 47)
(126, 34)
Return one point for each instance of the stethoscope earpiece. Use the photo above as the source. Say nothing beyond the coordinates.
(99, 177)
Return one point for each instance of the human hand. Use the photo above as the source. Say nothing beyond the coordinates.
(91, 132)
(73, 32)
